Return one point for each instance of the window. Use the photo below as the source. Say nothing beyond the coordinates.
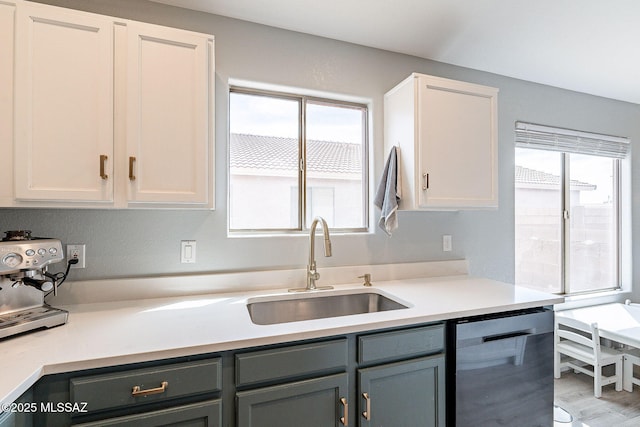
(567, 209)
(293, 158)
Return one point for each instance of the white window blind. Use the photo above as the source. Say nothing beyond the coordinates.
(541, 137)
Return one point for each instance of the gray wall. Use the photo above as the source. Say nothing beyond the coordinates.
(140, 242)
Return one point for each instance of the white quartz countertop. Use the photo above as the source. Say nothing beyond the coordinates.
(114, 333)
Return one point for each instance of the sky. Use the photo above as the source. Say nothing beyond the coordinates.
(261, 115)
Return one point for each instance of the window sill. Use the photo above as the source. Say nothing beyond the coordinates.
(606, 297)
(305, 233)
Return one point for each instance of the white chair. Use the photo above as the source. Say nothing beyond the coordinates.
(581, 342)
(631, 358)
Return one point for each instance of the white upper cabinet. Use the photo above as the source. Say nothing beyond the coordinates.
(108, 112)
(446, 131)
(169, 92)
(7, 31)
(63, 105)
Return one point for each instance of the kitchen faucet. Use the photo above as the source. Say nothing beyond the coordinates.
(312, 273)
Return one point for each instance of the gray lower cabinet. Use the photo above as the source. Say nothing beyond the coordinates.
(7, 419)
(401, 378)
(201, 414)
(318, 402)
(400, 381)
(136, 387)
(19, 413)
(172, 392)
(403, 394)
(392, 377)
(298, 385)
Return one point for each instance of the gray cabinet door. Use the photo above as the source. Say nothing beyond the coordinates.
(403, 394)
(20, 413)
(201, 414)
(311, 403)
(7, 419)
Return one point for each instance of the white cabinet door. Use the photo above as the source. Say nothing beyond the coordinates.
(169, 115)
(7, 18)
(447, 134)
(64, 105)
(457, 143)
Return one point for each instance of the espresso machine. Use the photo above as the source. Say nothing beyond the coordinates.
(24, 283)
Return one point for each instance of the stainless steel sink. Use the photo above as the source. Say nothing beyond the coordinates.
(269, 311)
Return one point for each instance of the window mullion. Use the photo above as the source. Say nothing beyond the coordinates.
(617, 179)
(565, 191)
(302, 171)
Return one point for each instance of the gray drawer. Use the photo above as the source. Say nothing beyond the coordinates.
(403, 344)
(297, 361)
(115, 390)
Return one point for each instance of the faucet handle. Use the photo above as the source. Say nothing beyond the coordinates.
(367, 279)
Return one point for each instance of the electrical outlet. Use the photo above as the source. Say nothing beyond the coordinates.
(447, 244)
(77, 252)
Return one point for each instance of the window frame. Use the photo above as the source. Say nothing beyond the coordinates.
(566, 227)
(303, 100)
(565, 224)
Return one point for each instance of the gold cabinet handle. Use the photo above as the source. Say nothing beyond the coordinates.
(136, 392)
(345, 419)
(367, 413)
(425, 178)
(132, 160)
(103, 160)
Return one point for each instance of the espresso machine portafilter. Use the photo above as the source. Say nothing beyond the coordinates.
(24, 282)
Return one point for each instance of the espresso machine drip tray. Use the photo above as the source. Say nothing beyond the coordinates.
(33, 318)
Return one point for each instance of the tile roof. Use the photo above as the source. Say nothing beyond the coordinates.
(278, 153)
(535, 177)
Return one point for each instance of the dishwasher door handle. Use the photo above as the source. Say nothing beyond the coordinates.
(508, 335)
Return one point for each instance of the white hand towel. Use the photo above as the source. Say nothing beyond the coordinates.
(389, 193)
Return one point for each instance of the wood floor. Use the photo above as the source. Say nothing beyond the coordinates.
(574, 393)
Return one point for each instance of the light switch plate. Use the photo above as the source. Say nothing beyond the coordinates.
(447, 244)
(188, 251)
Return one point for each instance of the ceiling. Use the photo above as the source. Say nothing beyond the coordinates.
(590, 46)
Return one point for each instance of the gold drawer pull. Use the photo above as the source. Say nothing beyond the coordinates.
(345, 419)
(425, 177)
(132, 160)
(103, 160)
(137, 392)
(367, 413)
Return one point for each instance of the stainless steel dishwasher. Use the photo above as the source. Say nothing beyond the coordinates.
(500, 370)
